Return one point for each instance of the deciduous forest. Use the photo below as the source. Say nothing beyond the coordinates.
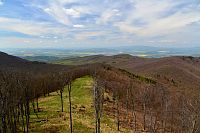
(135, 102)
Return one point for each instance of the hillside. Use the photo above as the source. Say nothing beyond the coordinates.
(11, 62)
(181, 72)
(7, 59)
(122, 92)
(28, 81)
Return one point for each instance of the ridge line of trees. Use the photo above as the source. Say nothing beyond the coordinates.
(20, 89)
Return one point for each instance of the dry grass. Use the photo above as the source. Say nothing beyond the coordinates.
(52, 120)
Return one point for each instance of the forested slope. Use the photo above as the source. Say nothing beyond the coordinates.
(139, 102)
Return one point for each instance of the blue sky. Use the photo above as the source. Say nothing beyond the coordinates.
(99, 23)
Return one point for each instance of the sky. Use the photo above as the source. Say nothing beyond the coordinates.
(99, 23)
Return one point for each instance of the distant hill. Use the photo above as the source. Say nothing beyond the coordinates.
(9, 62)
(43, 54)
(7, 59)
(181, 72)
(41, 58)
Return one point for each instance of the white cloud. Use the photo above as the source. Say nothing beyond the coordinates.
(66, 1)
(30, 27)
(108, 15)
(121, 21)
(161, 26)
(1, 2)
(58, 12)
(126, 27)
(171, 24)
(77, 11)
(64, 15)
(157, 17)
(85, 35)
(150, 10)
(72, 12)
(161, 41)
(78, 26)
(47, 10)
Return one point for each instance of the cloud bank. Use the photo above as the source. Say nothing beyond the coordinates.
(68, 23)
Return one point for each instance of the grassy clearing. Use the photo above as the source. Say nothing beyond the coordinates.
(51, 119)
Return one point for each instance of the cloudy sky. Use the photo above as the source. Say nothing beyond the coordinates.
(99, 23)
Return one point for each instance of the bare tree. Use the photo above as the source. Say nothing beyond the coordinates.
(195, 114)
(98, 91)
(70, 105)
(145, 98)
(132, 98)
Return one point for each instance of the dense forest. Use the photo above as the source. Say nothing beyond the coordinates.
(138, 102)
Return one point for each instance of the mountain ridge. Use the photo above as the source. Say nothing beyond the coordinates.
(182, 72)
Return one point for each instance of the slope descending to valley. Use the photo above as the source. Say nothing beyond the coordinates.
(134, 100)
(5, 58)
(23, 82)
(179, 72)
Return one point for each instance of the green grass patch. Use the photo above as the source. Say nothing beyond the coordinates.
(52, 120)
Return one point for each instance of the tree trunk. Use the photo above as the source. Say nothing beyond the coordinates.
(70, 107)
(127, 99)
(61, 98)
(172, 119)
(22, 115)
(144, 116)
(118, 120)
(194, 129)
(99, 125)
(37, 104)
(33, 105)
